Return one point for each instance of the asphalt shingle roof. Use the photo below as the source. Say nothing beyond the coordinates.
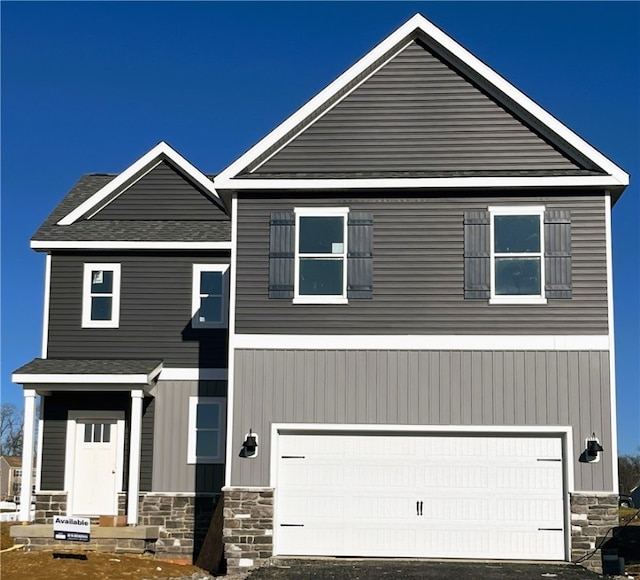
(124, 230)
(53, 366)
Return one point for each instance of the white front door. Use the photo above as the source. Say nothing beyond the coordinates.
(95, 475)
(494, 497)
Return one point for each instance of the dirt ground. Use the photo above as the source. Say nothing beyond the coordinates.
(18, 565)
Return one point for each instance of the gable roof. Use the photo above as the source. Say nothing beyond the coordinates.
(161, 152)
(588, 168)
(67, 226)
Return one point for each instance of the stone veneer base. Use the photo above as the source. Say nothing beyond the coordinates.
(592, 516)
(248, 527)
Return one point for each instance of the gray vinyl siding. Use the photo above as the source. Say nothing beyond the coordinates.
(155, 311)
(171, 472)
(162, 194)
(418, 271)
(416, 114)
(519, 388)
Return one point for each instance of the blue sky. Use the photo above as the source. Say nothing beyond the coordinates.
(90, 87)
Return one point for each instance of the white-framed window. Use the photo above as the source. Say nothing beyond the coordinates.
(517, 255)
(101, 296)
(207, 428)
(321, 256)
(210, 296)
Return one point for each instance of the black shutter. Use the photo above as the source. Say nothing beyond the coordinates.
(477, 272)
(557, 253)
(360, 255)
(281, 254)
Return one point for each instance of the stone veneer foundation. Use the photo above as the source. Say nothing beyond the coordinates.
(248, 527)
(182, 521)
(592, 516)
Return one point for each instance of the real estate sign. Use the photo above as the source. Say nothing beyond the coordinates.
(69, 528)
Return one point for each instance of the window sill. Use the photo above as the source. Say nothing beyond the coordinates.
(101, 324)
(320, 300)
(514, 300)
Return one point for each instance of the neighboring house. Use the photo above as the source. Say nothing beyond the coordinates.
(420, 326)
(11, 477)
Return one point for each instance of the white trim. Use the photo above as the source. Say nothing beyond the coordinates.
(135, 445)
(27, 454)
(312, 185)
(127, 245)
(383, 342)
(160, 152)
(300, 212)
(114, 321)
(229, 455)
(196, 295)
(406, 32)
(45, 309)
(515, 210)
(70, 450)
(185, 374)
(39, 449)
(221, 403)
(612, 344)
(80, 379)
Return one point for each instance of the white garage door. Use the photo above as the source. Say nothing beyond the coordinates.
(420, 496)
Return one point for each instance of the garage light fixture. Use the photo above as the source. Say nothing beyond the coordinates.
(250, 444)
(593, 449)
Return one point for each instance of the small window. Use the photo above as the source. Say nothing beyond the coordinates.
(517, 255)
(321, 256)
(210, 295)
(206, 430)
(101, 296)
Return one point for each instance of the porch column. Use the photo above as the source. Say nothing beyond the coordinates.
(134, 457)
(27, 454)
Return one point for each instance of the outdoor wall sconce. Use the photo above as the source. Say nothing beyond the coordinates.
(593, 449)
(250, 445)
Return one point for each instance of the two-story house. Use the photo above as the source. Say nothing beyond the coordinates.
(420, 326)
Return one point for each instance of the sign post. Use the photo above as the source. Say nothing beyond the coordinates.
(71, 529)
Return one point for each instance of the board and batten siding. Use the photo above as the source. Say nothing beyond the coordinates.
(162, 194)
(418, 270)
(171, 472)
(54, 435)
(155, 311)
(512, 388)
(416, 114)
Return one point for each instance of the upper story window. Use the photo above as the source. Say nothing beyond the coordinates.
(321, 255)
(206, 437)
(517, 255)
(210, 295)
(101, 296)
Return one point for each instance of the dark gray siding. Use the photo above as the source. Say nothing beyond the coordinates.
(422, 388)
(171, 472)
(418, 271)
(155, 311)
(146, 445)
(416, 114)
(162, 194)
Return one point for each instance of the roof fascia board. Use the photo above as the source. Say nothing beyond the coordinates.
(411, 27)
(125, 245)
(159, 153)
(137, 379)
(593, 181)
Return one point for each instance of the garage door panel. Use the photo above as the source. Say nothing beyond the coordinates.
(420, 496)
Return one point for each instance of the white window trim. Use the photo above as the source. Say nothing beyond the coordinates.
(192, 435)
(195, 295)
(320, 212)
(494, 211)
(115, 296)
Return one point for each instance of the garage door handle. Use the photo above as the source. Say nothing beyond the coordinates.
(549, 529)
(418, 508)
(292, 525)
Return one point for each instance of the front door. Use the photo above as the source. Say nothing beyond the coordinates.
(95, 468)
